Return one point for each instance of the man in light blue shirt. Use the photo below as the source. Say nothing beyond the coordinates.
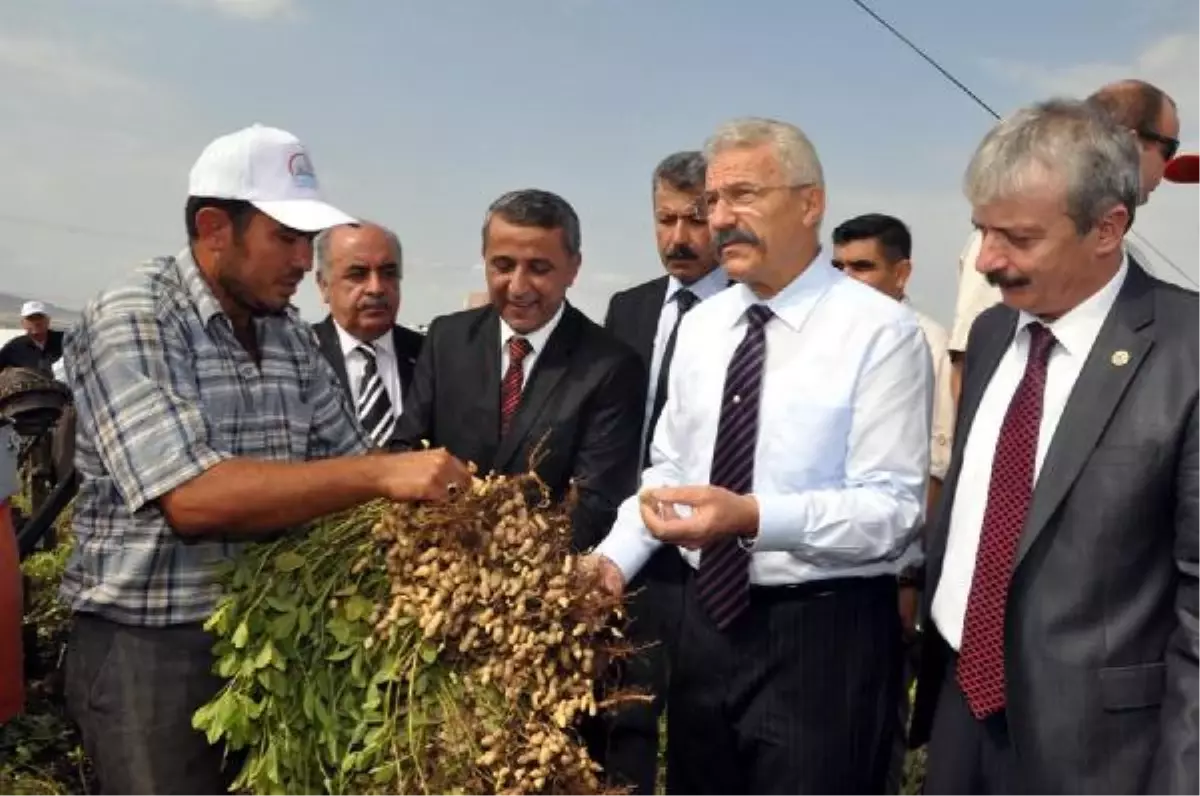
(789, 466)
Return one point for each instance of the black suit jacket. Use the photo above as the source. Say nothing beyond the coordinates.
(581, 409)
(407, 343)
(633, 315)
(1101, 621)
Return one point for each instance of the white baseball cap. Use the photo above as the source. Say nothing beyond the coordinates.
(270, 169)
(31, 308)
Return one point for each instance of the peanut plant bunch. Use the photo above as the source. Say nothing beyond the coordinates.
(416, 648)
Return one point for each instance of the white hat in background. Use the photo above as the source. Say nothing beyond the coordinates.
(31, 308)
(270, 169)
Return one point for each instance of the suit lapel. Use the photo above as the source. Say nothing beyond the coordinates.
(983, 361)
(551, 365)
(331, 346)
(482, 377)
(406, 359)
(648, 314)
(1119, 351)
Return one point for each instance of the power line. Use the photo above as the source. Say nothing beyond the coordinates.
(975, 97)
(76, 229)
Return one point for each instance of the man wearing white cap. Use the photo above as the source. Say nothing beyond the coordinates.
(207, 418)
(39, 348)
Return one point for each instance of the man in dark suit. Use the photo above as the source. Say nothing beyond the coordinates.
(359, 268)
(528, 381)
(647, 317)
(1061, 654)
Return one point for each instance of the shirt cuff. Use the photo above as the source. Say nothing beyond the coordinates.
(777, 519)
(629, 555)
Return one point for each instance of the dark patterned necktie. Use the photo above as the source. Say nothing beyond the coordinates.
(684, 300)
(374, 407)
(514, 380)
(981, 654)
(723, 581)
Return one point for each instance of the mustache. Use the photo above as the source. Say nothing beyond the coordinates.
(373, 303)
(1001, 279)
(682, 252)
(728, 237)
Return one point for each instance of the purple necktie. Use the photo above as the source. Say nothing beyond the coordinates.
(723, 581)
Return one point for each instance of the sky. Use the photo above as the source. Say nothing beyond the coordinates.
(419, 114)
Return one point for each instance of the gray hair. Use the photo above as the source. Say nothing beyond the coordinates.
(682, 171)
(1067, 141)
(795, 153)
(324, 263)
(532, 207)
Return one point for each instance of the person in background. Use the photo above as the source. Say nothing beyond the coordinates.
(647, 317)
(876, 249)
(789, 469)
(359, 269)
(39, 348)
(207, 419)
(1151, 117)
(1061, 586)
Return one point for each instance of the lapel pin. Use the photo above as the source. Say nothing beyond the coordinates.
(1120, 358)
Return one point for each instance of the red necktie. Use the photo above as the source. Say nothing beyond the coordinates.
(514, 380)
(981, 654)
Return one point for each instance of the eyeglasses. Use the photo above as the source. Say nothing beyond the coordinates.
(743, 195)
(1167, 146)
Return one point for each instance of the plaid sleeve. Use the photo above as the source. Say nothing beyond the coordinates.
(135, 389)
(335, 429)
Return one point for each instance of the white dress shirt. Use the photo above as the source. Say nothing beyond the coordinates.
(842, 456)
(385, 359)
(705, 287)
(537, 341)
(1075, 334)
(941, 436)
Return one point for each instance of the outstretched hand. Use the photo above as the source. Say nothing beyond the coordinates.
(712, 512)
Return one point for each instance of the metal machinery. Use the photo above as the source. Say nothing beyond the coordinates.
(12, 667)
(36, 450)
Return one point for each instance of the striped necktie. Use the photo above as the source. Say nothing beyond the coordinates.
(514, 380)
(374, 405)
(723, 579)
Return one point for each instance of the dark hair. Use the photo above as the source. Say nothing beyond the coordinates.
(1135, 104)
(531, 207)
(683, 171)
(893, 237)
(240, 213)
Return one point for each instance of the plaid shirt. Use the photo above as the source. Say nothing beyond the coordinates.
(164, 391)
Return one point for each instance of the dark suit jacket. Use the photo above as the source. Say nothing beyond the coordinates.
(22, 352)
(583, 404)
(1101, 621)
(633, 314)
(407, 343)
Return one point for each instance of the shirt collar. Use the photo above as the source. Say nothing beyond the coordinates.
(197, 287)
(704, 288)
(537, 339)
(384, 342)
(201, 295)
(1076, 330)
(798, 298)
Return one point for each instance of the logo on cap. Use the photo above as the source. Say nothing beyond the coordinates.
(300, 167)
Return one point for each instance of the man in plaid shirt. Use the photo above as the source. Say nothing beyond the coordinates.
(207, 418)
